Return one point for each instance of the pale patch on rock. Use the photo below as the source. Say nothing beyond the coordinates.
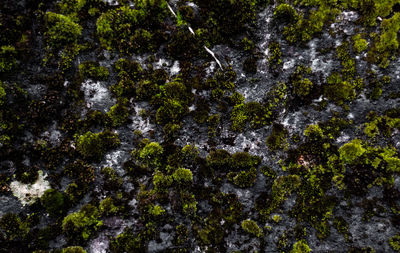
(29, 193)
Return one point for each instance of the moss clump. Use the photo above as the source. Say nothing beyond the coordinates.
(350, 151)
(118, 114)
(339, 90)
(182, 176)
(395, 242)
(94, 145)
(243, 179)
(54, 202)
(150, 155)
(275, 55)
(79, 226)
(251, 227)
(238, 118)
(107, 207)
(73, 249)
(278, 137)
(12, 228)
(93, 70)
(285, 13)
(131, 30)
(359, 44)
(300, 247)
(62, 34)
(7, 58)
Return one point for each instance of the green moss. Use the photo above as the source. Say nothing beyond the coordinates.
(300, 247)
(278, 138)
(350, 151)
(219, 159)
(313, 132)
(7, 58)
(182, 234)
(93, 70)
(111, 179)
(150, 155)
(54, 202)
(61, 30)
(119, 114)
(161, 181)
(79, 226)
(13, 229)
(129, 30)
(156, 210)
(251, 227)
(3, 94)
(94, 145)
(359, 44)
(243, 179)
(395, 242)
(342, 227)
(73, 249)
(107, 207)
(238, 118)
(62, 34)
(338, 90)
(285, 13)
(182, 176)
(171, 111)
(275, 54)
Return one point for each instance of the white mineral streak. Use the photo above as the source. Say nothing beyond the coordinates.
(29, 193)
(97, 95)
(192, 32)
(175, 68)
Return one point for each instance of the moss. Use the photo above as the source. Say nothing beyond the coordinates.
(93, 70)
(79, 226)
(150, 155)
(359, 44)
(62, 34)
(338, 90)
(146, 89)
(275, 54)
(238, 118)
(181, 235)
(182, 176)
(111, 178)
(243, 179)
(94, 145)
(61, 30)
(161, 181)
(171, 111)
(350, 151)
(285, 13)
(219, 160)
(300, 247)
(395, 242)
(342, 227)
(129, 30)
(248, 45)
(251, 227)
(156, 210)
(73, 249)
(7, 58)
(107, 207)
(54, 202)
(12, 228)
(3, 94)
(80, 171)
(278, 137)
(118, 114)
